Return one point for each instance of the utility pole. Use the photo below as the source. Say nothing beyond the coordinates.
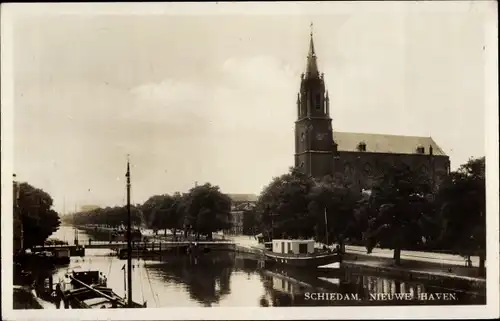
(16, 211)
(268, 209)
(129, 243)
(272, 227)
(326, 228)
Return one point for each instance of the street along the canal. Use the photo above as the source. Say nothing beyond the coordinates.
(231, 279)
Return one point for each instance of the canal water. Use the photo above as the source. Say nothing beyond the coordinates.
(228, 279)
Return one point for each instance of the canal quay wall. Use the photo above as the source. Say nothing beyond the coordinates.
(434, 274)
(430, 273)
(247, 249)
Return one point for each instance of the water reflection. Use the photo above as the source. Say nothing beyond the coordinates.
(232, 280)
(206, 278)
(297, 288)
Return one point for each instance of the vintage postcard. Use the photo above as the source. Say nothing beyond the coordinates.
(300, 160)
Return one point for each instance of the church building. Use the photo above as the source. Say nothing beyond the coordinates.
(359, 157)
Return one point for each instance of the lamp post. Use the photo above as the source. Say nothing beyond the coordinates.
(272, 221)
(272, 226)
(272, 215)
(326, 227)
(17, 215)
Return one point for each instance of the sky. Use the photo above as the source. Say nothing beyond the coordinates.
(212, 97)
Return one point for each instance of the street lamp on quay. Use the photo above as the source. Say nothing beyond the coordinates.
(268, 209)
(16, 189)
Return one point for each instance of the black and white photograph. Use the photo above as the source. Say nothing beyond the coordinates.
(281, 159)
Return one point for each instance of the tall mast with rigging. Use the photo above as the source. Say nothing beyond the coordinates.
(129, 242)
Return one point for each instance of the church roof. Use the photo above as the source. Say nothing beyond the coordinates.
(380, 143)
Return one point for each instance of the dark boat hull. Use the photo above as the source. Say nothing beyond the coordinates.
(39, 259)
(79, 299)
(77, 251)
(312, 261)
(90, 292)
(61, 260)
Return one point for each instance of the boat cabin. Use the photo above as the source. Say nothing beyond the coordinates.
(61, 253)
(293, 246)
(89, 278)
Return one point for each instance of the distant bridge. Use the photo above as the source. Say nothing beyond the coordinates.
(117, 245)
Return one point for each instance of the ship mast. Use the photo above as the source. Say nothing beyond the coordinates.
(129, 243)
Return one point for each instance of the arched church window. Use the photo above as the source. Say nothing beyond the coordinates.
(302, 136)
(347, 169)
(367, 169)
(317, 101)
(301, 164)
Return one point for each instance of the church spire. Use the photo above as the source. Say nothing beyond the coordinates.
(312, 64)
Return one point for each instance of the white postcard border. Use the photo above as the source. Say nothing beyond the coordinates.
(489, 310)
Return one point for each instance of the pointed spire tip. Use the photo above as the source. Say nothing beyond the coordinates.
(311, 43)
(312, 65)
(128, 166)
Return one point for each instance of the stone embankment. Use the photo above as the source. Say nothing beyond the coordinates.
(436, 269)
(435, 274)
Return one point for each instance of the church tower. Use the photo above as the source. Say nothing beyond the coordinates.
(314, 147)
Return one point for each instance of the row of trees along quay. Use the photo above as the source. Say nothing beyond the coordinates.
(402, 211)
(202, 210)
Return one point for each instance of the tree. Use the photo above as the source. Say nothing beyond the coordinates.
(249, 222)
(337, 203)
(164, 212)
(113, 217)
(462, 200)
(207, 209)
(363, 213)
(149, 208)
(176, 216)
(282, 207)
(398, 210)
(35, 213)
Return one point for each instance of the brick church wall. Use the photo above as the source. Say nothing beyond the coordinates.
(361, 168)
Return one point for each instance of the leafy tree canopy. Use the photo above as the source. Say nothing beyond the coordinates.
(462, 199)
(34, 211)
(331, 207)
(398, 210)
(207, 209)
(283, 206)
